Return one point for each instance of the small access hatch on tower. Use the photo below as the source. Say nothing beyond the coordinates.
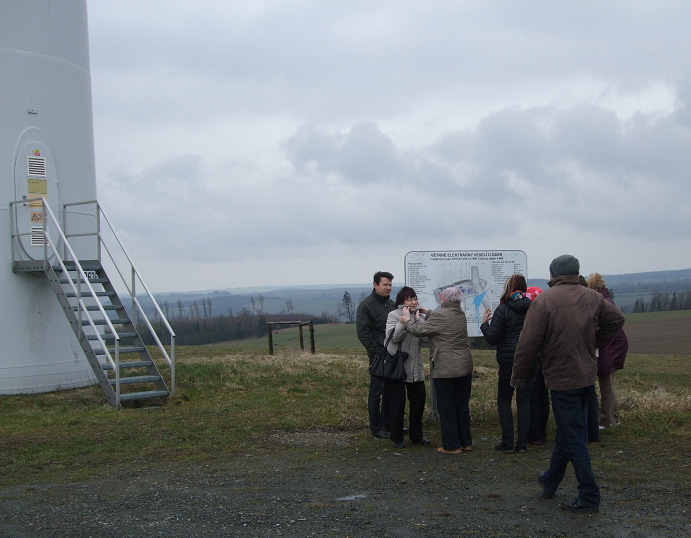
(35, 177)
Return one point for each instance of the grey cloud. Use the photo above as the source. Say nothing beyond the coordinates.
(178, 178)
(540, 145)
(362, 155)
(162, 200)
(354, 48)
(560, 165)
(313, 147)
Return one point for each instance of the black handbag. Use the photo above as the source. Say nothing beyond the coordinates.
(387, 366)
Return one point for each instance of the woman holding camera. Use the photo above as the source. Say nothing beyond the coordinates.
(414, 384)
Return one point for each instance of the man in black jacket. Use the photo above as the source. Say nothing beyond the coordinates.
(371, 327)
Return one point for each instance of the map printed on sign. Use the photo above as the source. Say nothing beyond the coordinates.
(479, 273)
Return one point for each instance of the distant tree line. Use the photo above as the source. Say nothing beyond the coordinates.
(195, 324)
(196, 330)
(661, 302)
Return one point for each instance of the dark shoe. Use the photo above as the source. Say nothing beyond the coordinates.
(576, 506)
(398, 445)
(406, 431)
(382, 434)
(503, 448)
(546, 494)
(424, 442)
(521, 450)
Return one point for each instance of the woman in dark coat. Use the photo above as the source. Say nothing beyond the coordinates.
(611, 358)
(503, 332)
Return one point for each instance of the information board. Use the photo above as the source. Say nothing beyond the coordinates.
(480, 274)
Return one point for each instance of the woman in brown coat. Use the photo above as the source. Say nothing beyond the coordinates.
(451, 366)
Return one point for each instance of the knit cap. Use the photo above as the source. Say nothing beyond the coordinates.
(564, 265)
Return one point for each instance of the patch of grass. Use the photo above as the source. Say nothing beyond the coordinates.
(230, 399)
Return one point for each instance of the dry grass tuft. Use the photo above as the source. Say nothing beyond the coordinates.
(656, 399)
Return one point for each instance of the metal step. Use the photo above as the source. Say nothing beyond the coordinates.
(118, 321)
(136, 379)
(127, 349)
(132, 396)
(91, 280)
(95, 308)
(110, 337)
(71, 294)
(124, 349)
(128, 364)
(71, 266)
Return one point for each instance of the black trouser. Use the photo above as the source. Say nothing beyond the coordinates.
(395, 392)
(504, 397)
(453, 397)
(379, 418)
(539, 409)
(570, 409)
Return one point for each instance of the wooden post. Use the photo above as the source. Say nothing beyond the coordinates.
(300, 324)
(312, 336)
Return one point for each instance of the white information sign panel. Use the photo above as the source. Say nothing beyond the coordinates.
(481, 274)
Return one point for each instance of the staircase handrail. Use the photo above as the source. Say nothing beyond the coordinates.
(135, 275)
(81, 308)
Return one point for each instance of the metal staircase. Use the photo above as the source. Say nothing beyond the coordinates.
(106, 331)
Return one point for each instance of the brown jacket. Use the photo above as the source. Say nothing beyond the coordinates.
(448, 338)
(566, 323)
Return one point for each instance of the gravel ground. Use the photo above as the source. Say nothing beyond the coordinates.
(337, 484)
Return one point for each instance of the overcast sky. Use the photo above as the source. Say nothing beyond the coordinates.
(250, 143)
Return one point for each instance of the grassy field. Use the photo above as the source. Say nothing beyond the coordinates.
(231, 397)
(659, 332)
(648, 333)
(337, 336)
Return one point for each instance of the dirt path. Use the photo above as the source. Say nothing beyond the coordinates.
(335, 485)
